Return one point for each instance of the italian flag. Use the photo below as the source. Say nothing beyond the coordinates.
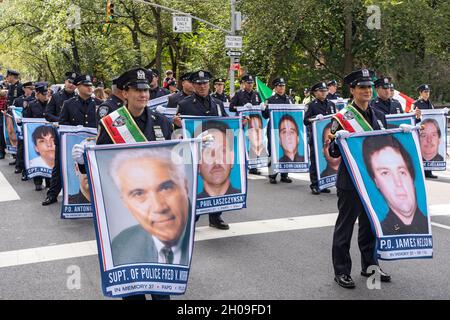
(404, 100)
(353, 122)
(121, 127)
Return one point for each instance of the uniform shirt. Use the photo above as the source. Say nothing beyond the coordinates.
(243, 97)
(422, 104)
(389, 106)
(23, 101)
(175, 98)
(36, 109)
(196, 105)
(158, 92)
(332, 96)
(14, 91)
(377, 120)
(392, 225)
(77, 111)
(149, 122)
(317, 107)
(222, 96)
(111, 104)
(55, 104)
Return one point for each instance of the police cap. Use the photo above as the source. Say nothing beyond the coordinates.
(83, 79)
(219, 81)
(138, 78)
(384, 82)
(319, 86)
(185, 77)
(248, 78)
(10, 72)
(71, 76)
(332, 83)
(423, 87)
(362, 77)
(28, 84)
(279, 82)
(41, 87)
(200, 76)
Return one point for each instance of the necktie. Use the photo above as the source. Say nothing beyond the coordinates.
(168, 255)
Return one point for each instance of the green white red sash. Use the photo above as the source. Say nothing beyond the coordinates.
(351, 120)
(122, 128)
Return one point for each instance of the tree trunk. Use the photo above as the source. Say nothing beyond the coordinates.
(348, 58)
(159, 40)
(76, 56)
(50, 69)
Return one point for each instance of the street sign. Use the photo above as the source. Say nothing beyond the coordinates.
(233, 42)
(181, 24)
(234, 53)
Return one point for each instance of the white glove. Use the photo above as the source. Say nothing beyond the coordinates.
(445, 110)
(342, 134)
(406, 127)
(319, 117)
(248, 105)
(160, 109)
(78, 151)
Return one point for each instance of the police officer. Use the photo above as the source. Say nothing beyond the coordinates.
(36, 110)
(243, 97)
(383, 102)
(153, 125)
(202, 104)
(219, 87)
(54, 106)
(332, 88)
(79, 110)
(424, 103)
(114, 102)
(280, 97)
(23, 102)
(15, 90)
(308, 98)
(186, 90)
(155, 90)
(349, 204)
(317, 108)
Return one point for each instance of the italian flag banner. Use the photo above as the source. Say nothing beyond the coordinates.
(351, 120)
(264, 91)
(404, 100)
(122, 128)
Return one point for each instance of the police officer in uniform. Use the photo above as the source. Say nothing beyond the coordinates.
(186, 90)
(23, 102)
(54, 106)
(349, 204)
(201, 103)
(155, 90)
(332, 87)
(280, 97)
(155, 126)
(242, 97)
(114, 102)
(424, 103)
(15, 90)
(383, 102)
(36, 109)
(317, 108)
(219, 86)
(79, 110)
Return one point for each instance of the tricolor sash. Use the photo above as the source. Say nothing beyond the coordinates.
(122, 128)
(351, 120)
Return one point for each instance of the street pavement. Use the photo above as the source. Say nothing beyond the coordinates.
(279, 247)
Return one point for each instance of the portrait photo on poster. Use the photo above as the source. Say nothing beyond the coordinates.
(147, 199)
(255, 133)
(327, 166)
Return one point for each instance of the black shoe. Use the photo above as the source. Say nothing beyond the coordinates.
(384, 277)
(430, 175)
(49, 200)
(254, 171)
(273, 179)
(218, 223)
(345, 281)
(13, 163)
(39, 187)
(326, 190)
(286, 180)
(24, 178)
(18, 170)
(315, 190)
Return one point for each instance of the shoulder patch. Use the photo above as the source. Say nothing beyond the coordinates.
(103, 111)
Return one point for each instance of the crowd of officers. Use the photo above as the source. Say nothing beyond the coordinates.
(75, 104)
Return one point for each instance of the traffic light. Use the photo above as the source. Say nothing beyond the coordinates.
(109, 11)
